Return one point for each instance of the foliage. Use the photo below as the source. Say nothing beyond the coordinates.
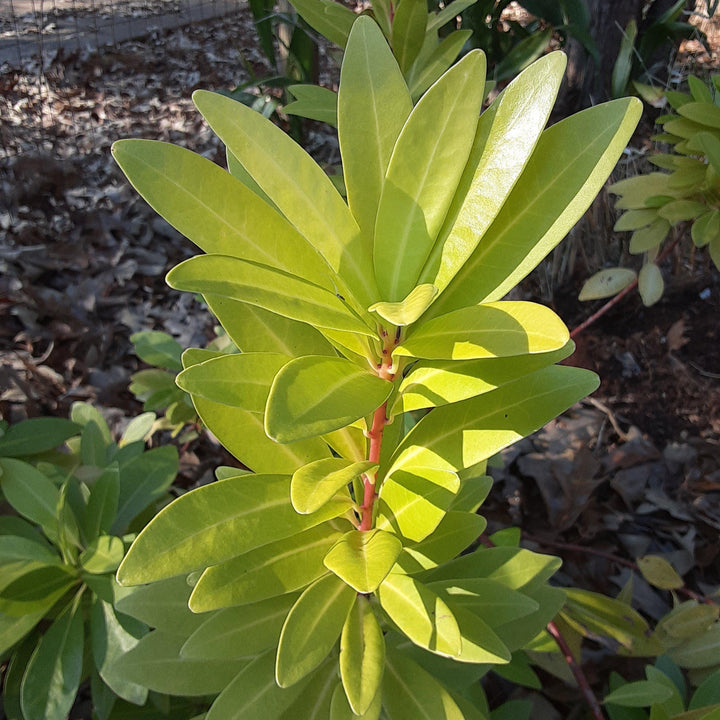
(657, 202)
(155, 387)
(425, 47)
(665, 693)
(511, 46)
(79, 498)
(636, 64)
(379, 371)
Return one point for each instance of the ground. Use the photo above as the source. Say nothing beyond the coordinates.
(634, 469)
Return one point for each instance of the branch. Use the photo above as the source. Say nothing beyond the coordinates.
(625, 291)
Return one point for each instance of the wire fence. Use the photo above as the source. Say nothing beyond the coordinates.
(39, 28)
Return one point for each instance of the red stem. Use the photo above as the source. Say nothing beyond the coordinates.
(626, 291)
(577, 671)
(376, 436)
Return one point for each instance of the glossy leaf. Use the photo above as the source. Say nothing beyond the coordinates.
(312, 628)
(102, 555)
(30, 493)
(407, 311)
(313, 102)
(214, 210)
(362, 559)
(500, 329)
(113, 635)
(156, 663)
(362, 656)
(423, 173)
(700, 651)
(20, 549)
(650, 283)
(315, 395)
(516, 568)
(456, 531)
(239, 380)
(267, 288)
(492, 601)
(410, 693)
(35, 588)
(215, 523)
(254, 694)
(254, 329)
(53, 674)
(659, 572)
(420, 614)
(340, 707)
(329, 18)
(606, 283)
(299, 187)
(162, 605)
(440, 382)
(413, 503)
(315, 700)
(243, 434)
(239, 632)
(274, 569)
(36, 435)
(143, 480)
(642, 693)
(493, 169)
(373, 104)
(459, 435)
(408, 31)
(423, 74)
(564, 173)
(480, 644)
(318, 482)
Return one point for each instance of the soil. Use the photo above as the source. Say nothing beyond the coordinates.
(636, 469)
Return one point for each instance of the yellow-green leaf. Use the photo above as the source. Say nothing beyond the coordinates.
(363, 558)
(420, 614)
(362, 656)
(316, 483)
(314, 395)
(413, 503)
(499, 329)
(659, 572)
(373, 104)
(606, 283)
(312, 628)
(424, 170)
(407, 311)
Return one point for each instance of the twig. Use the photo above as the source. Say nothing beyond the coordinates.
(577, 671)
(626, 291)
(613, 558)
(575, 668)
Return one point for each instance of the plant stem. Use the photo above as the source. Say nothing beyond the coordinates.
(384, 371)
(575, 668)
(577, 671)
(617, 560)
(626, 291)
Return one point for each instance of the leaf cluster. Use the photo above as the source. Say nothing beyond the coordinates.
(686, 190)
(665, 694)
(78, 498)
(379, 370)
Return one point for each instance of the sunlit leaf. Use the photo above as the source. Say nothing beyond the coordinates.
(214, 523)
(373, 104)
(423, 173)
(500, 329)
(273, 569)
(312, 628)
(363, 558)
(362, 656)
(315, 395)
(413, 503)
(316, 483)
(420, 614)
